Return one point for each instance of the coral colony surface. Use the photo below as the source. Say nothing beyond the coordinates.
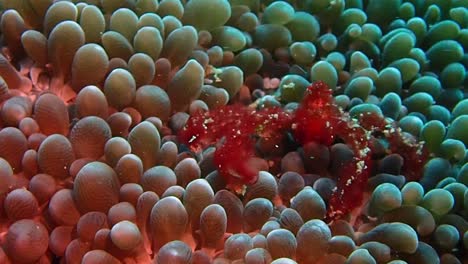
(233, 131)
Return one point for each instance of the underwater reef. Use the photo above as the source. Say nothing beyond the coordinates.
(233, 131)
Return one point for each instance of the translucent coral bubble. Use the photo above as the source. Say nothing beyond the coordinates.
(119, 88)
(96, 187)
(93, 23)
(89, 136)
(91, 101)
(230, 38)
(391, 105)
(427, 84)
(231, 79)
(185, 85)
(291, 220)
(214, 13)
(13, 145)
(125, 235)
(120, 124)
(281, 243)
(292, 88)
(456, 130)
(43, 186)
(446, 237)
(325, 72)
(444, 52)
(452, 149)
(26, 241)
(309, 204)
(60, 237)
(290, 183)
(256, 213)
(86, 72)
(171, 8)
(145, 142)
(124, 21)
(265, 187)
(55, 156)
(324, 187)
(129, 169)
(179, 44)
(398, 236)
(114, 149)
(360, 256)
(168, 221)
(148, 40)
(278, 13)
(123, 211)
(258, 256)
(186, 171)
(433, 133)
(304, 27)
(411, 124)
(342, 245)
(158, 179)
(425, 253)
(435, 170)
(51, 114)
(359, 87)
(129, 192)
(142, 68)
(35, 45)
(312, 241)
(116, 45)
(63, 42)
(408, 68)
(247, 22)
(264, 33)
(438, 201)
(151, 100)
(213, 223)
(198, 195)
(397, 47)
(171, 23)
(63, 209)
(379, 251)
(415, 216)
(20, 204)
(269, 226)
(233, 208)
(58, 12)
(89, 224)
(303, 53)
(237, 245)
(176, 252)
(99, 256)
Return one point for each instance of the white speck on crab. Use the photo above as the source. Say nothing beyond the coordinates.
(363, 152)
(192, 139)
(208, 121)
(360, 166)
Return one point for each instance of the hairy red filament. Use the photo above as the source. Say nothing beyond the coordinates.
(235, 128)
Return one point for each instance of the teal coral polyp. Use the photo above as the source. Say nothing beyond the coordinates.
(233, 131)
